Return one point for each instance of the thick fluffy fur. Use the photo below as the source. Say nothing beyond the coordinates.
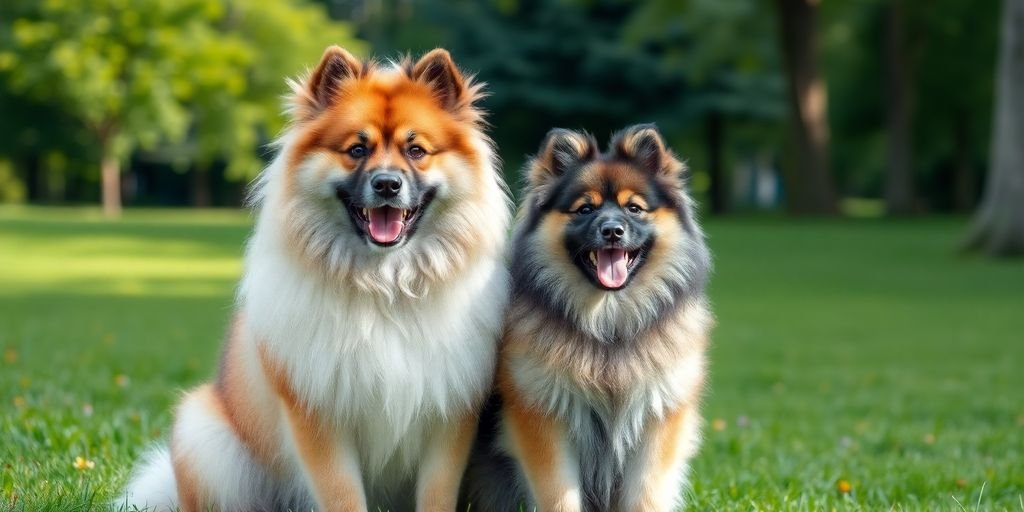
(354, 370)
(598, 381)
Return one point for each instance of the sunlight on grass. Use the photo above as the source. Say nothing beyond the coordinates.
(862, 208)
(136, 275)
(47, 254)
(94, 215)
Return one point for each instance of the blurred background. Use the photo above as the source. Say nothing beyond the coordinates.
(869, 108)
(856, 163)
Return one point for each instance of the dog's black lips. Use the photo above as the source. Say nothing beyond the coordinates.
(412, 220)
(636, 255)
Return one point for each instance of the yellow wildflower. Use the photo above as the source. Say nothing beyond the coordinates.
(82, 464)
(843, 486)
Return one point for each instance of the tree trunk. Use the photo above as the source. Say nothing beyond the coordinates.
(899, 181)
(810, 187)
(202, 195)
(964, 190)
(110, 174)
(35, 182)
(999, 223)
(719, 189)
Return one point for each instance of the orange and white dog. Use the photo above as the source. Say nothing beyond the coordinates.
(364, 341)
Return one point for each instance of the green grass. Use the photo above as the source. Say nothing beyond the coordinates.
(862, 351)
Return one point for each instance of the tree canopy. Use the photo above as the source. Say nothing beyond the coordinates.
(189, 80)
(178, 89)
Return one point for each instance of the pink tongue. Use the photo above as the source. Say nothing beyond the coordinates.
(611, 267)
(386, 224)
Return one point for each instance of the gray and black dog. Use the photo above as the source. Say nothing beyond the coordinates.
(602, 361)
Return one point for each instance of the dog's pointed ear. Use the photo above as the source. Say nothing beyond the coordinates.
(318, 90)
(644, 145)
(438, 72)
(561, 151)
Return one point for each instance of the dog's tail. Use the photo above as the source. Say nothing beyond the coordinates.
(152, 487)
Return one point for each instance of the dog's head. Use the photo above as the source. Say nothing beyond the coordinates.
(609, 238)
(386, 166)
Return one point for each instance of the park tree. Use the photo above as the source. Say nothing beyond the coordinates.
(547, 63)
(701, 69)
(728, 56)
(951, 46)
(282, 38)
(926, 52)
(899, 177)
(927, 106)
(998, 227)
(116, 67)
(810, 184)
(187, 78)
(39, 145)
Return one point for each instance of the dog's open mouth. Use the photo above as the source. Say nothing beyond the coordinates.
(612, 267)
(386, 226)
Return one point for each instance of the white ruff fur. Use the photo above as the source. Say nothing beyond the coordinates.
(385, 343)
(386, 367)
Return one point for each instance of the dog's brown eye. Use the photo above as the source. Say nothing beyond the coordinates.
(585, 210)
(358, 151)
(416, 152)
(634, 208)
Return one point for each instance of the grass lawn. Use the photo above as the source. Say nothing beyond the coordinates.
(862, 355)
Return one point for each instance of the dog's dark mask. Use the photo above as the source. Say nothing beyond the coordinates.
(385, 204)
(610, 198)
(609, 242)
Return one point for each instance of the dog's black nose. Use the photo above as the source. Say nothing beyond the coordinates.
(612, 231)
(386, 185)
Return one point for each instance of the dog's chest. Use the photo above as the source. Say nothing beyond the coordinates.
(607, 429)
(393, 378)
(399, 360)
(385, 373)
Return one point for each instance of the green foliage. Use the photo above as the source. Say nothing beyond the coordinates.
(196, 79)
(604, 64)
(728, 52)
(852, 38)
(564, 61)
(196, 84)
(840, 362)
(955, 46)
(726, 48)
(547, 63)
(284, 38)
(12, 190)
(952, 51)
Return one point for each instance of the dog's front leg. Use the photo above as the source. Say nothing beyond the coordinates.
(545, 453)
(328, 459)
(656, 477)
(443, 465)
(329, 462)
